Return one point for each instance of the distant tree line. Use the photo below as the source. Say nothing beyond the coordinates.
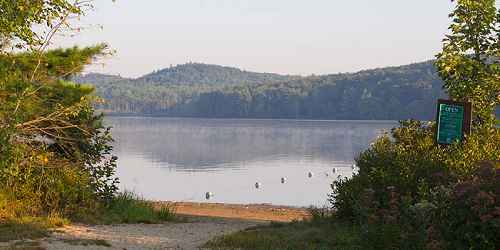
(393, 93)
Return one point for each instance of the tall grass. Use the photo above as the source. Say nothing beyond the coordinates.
(127, 207)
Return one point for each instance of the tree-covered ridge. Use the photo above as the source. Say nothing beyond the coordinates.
(98, 79)
(387, 93)
(199, 73)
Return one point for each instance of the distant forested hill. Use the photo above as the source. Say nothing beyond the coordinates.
(201, 90)
(198, 73)
(98, 79)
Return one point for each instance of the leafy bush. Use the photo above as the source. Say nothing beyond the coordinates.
(468, 213)
(402, 183)
(408, 161)
(425, 196)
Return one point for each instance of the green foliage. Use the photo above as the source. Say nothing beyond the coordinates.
(470, 61)
(18, 18)
(56, 154)
(212, 91)
(468, 213)
(129, 208)
(425, 196)
(401, 174)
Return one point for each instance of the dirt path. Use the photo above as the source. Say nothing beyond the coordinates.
(189, 235)
(224, 219)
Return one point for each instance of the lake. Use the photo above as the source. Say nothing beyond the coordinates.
(179, 159)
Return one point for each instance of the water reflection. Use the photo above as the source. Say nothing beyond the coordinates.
(182, 159)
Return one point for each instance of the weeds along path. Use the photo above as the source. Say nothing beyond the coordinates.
(187, 235)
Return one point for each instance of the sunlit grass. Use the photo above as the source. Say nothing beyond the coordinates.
(321, 231)
(127, 207)
(23, 228)
(17, 224)
(87, 242)
(295, 235)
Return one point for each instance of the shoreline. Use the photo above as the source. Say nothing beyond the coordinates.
(257, 212)
(138, 115)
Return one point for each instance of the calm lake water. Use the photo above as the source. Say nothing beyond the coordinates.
(181, 159)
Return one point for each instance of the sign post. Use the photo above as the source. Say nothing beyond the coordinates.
(453, 121)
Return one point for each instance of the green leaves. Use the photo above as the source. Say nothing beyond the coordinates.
(18, 19)
(443, 195)
(55, 154)
(469, 61)
(45, 117)
(409, 164)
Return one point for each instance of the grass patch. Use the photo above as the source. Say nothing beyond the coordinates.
(25, 245)
(324, 230)
(129, 208)
(314, 234)
(87, 242)
(25, 228)
(15, 224)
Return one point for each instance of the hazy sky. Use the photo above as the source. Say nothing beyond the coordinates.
(282, 36)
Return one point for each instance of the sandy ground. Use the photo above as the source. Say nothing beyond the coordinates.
(223, 219)
(248, 212)
(190, 235)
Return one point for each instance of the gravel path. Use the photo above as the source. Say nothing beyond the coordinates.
(189, 235)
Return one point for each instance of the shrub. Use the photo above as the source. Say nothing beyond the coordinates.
(445, 196)
(55, 153)
(405, 181)
(468, 215)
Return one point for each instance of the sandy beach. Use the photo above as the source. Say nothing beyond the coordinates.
(259, 212)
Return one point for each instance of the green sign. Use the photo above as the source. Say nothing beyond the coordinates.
(450, 123)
